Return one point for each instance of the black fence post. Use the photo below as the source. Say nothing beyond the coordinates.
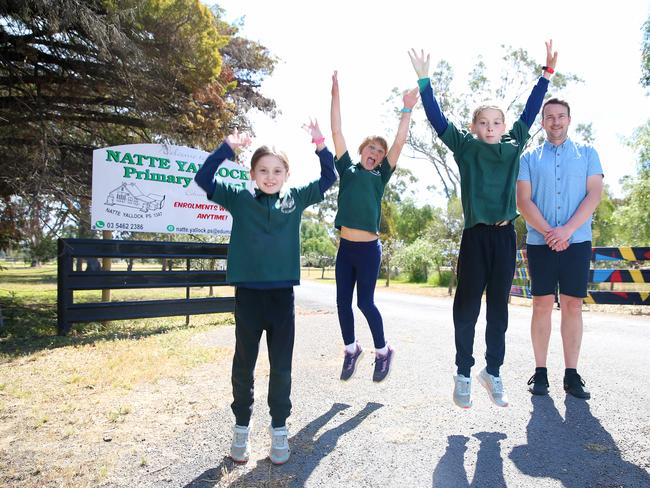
(64, 294)
(187, 291)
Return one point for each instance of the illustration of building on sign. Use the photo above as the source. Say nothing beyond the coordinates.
(129, 195)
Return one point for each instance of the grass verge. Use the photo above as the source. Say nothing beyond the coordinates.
(70, 407)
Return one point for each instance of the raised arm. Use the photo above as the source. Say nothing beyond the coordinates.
(536, 97)
(327, 174)
(420, 63)
(335, 118)
(410, 99)
(205, 175)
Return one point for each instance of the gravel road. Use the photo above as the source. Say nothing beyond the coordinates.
(406, 431)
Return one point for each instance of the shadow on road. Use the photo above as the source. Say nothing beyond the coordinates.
(306, 454)
(450, 471)
(576, 450)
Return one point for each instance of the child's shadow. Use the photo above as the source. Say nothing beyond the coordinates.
(306, 453)
(450, 471)
(576, 450)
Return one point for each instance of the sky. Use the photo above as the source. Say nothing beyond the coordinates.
(367, 42)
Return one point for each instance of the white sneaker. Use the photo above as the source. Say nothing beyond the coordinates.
(240, 449)
(463, 391)
(279, 453)
(494, 387)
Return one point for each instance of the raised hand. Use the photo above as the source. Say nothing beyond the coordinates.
(313, 129)
(238, 140)
(420, 63)
(411, 97)
(335, 84)
(335, 118)
(551, 56)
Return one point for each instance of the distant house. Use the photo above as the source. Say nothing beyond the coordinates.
(129, 195)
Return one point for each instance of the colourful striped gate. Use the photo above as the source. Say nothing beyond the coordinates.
(600, 275)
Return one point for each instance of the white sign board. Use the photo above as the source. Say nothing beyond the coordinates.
(151, 188)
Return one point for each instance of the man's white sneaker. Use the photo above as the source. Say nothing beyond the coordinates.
(279, 453)
(463, 391)
(239, 449)
(494, 387)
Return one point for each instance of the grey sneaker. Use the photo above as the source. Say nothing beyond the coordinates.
(463, 391)
(279, 453)
(350, 362)
(494, 387)
(240, 450)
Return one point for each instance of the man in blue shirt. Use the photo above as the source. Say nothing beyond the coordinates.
(558, 189)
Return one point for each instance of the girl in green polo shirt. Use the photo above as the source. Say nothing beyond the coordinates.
(359, 211)
(264, 265)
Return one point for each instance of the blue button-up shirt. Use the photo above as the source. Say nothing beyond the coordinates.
(558, 180)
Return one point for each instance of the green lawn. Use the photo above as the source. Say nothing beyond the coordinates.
(28, 306)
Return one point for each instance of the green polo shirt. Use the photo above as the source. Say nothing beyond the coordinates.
(360, 194)
(265, 236)
(488, 173)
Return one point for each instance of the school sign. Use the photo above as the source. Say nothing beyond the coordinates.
(151, 188)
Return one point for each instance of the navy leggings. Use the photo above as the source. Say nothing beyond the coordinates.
(358, 263)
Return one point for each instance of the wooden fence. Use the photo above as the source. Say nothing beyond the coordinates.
(70, 280)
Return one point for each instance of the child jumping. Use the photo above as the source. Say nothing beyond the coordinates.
(488, 164)
(359, 211)
(264, 266)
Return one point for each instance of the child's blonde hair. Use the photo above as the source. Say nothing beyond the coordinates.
(262, 151)
(378, 139)
(486, 106)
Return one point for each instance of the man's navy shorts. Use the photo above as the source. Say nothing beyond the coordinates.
(568, 268)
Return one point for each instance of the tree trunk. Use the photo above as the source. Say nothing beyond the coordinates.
(35, 230)
(452, 281)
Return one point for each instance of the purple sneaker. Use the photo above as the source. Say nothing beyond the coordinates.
(382, 365)
(350, 363)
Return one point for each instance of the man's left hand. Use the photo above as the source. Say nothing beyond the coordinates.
(558, 238)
